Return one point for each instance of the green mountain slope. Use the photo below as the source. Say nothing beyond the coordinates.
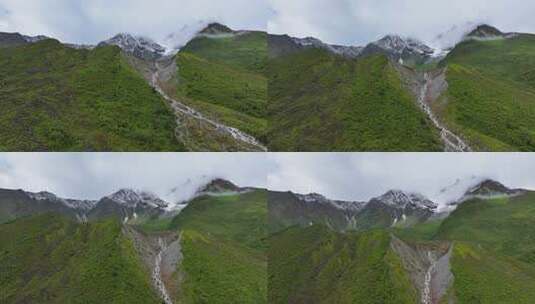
(224, 77)
(483, 252)
(493, 257)
(62, 99)
(491, 93)
(506, 225)
(48, 259)
(224, 248)
(319, 101)
(318, 265)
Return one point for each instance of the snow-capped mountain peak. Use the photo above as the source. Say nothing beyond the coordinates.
(397, 44)
(316, 198)
(132, 197)
(401, 199)
(138, 46)
(310, 42)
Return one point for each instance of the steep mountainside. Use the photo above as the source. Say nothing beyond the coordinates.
(59, 98)
(48, 259)
(320, 101)
(129, 93)
(318, 265)
(222, 75)
(399, 94)
(482, 252)
(55, 250)
(224, 247)
(491, 91)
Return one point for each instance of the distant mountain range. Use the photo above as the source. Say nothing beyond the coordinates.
(127, 205)
(395, 208)
(400, 94)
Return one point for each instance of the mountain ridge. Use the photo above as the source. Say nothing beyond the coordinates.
(394, 208)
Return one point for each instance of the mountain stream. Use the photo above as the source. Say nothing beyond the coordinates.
(452, 142)
(190, 112)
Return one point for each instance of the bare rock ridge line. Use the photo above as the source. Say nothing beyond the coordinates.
(163, 72)
(452, 142)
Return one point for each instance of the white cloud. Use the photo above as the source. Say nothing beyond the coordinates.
(361, 176)
(357, 22)
(347, 176)
(91, 21)
(93, 175)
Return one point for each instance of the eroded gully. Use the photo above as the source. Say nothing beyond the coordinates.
(452, 142)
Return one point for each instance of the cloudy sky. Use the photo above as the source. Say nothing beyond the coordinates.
(93, 175)
(361, 176)
(91, 21)
(356, 22)
(345, 176)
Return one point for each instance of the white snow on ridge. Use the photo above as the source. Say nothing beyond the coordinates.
(71, 203)
(132, 197)
(320, 199)
(401, 199)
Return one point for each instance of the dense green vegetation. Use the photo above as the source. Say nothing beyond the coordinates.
(506, 226)
(319, 101)
(225, 78)
(49, 259)
(491, 94)
(482, 276)
(61, 99)
(318, 265)
(224, 249)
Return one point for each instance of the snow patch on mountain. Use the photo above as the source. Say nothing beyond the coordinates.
(141, 47)
(347, 51)
(398, 45)
(82, 205)
(316, 198)
(132, 198)
(401, 199)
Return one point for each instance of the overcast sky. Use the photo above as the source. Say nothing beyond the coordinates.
(91, 21)
(361, 176)
(356, 22)
(345, 176)
(94, 175)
